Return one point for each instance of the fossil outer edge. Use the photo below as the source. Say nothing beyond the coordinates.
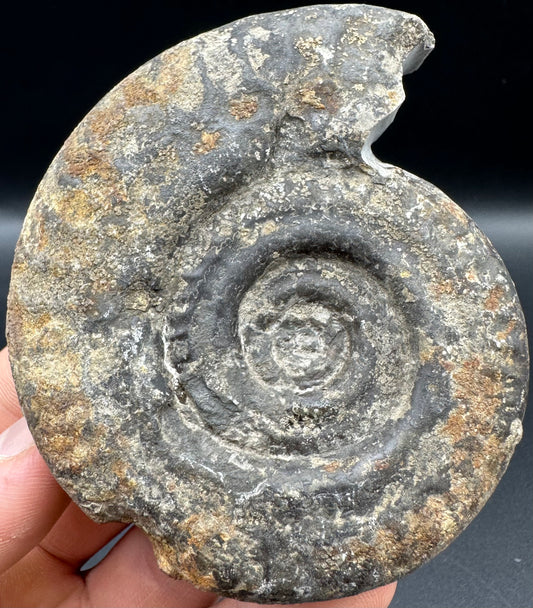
(300, 371)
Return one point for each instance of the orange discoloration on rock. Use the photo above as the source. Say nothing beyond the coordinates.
(105, 120)
(459, 456)
(100, 189)
(73, 451)
(202, 527)
(44, 334)
(428, 528)
(381, 465)
(454, 210)
(445, 287)
(427, 354)
(478, 384)
(42, 321)
(472, 277)
(139, 92)
(124, 474)
(189, 571)
(176, 64)
(495, 295)
(423, 534)
(478, 391)
(208, 142)
(455, 425)
(149, 87)
(62, 428)
(83, 162)
(332, 466)
(468, 492)
(74, 206)
(503, 335)
(182, 565)
(489, 456)
(446, 364)
(243, 108)
(309, 97)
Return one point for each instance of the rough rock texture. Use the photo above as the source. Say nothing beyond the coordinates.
(300, 371)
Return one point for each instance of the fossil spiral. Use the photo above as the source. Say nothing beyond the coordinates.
(301, 371)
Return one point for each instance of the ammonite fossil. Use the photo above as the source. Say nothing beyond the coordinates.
(301, 371)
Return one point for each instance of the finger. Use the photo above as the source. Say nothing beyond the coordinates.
(31, 501)
(75, 537)
(39, 579)
(129, 577)
(380, 597)
(9, 404)
(67, 546)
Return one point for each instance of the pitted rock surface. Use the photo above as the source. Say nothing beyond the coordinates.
(301, 371)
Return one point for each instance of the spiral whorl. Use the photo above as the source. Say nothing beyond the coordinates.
(292, 332)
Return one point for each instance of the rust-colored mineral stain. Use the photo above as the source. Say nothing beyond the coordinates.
(62, 426)
(208, 141)
(104, 121)
(75, 206)
(83, 162)
(478, 390)
(241, 109)
(139, 92)
(454, 210)
(189, 571)
(421, 535)
(176, 64)
(183, 565)
(493, 301)
(445, 287)
(503, 335)
(124, 475)
(381, 465)
(147, 88)
(332, 466)
(203, 527)
(309, 97)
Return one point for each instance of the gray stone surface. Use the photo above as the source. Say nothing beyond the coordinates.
(300, 371)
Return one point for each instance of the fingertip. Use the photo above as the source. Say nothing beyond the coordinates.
(9, 403)
(129, 576)
(31, 501)
(380, 597)
(15, 439)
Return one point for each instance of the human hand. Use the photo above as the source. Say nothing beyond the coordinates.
(45, 538)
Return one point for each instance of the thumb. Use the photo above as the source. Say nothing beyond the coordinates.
(31, 501)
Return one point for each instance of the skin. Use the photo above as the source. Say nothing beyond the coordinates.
(45, 538)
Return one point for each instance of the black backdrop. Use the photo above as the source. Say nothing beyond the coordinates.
(465, 126)
(466, 120)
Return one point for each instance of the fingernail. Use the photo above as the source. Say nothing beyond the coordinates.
(15, 439)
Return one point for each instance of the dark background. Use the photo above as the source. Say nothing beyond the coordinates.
(465, 126)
